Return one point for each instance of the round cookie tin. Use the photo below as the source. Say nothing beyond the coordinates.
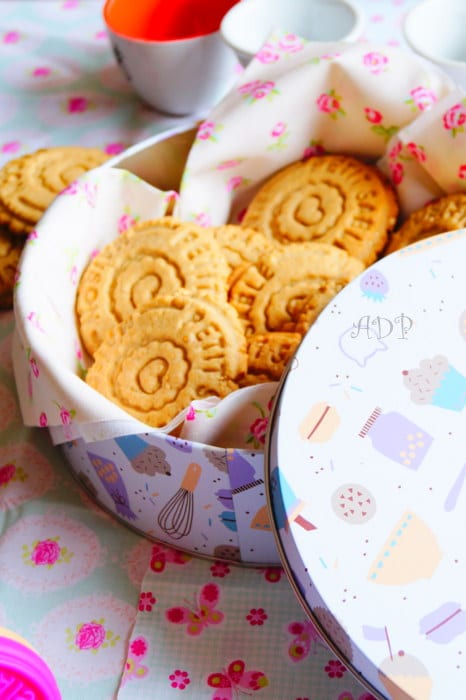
(366, 468)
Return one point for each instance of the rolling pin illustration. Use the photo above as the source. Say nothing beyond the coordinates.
(176, 517)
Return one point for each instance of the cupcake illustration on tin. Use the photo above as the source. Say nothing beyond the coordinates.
(436, 383)
(397, 437)
(405, 677)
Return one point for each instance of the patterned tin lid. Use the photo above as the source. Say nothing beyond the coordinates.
(366, 466)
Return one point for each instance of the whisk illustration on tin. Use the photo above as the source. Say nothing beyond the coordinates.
(176, 516)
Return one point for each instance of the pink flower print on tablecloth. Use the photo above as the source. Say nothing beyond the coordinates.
(220, 569)
(202, 615)
(77, 104)
(454, 119)
(162, 555)
(334, 669)
(258, 90)
(11, 37)
(305, 637)
(346, 695)
(41, 72)
(235, 679)
(421, 98)
(256, 617)
(46, 553)
(91, 636)
(375, 61)
(179, 679)
(7, 473)
(134, 669)
(330, 103)
(272, 574)
(11, 147)
(146, 601)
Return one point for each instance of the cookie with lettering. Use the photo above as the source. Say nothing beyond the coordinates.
(335, 199)
(240, 244)
(30, 183)
(269, 355)
(447, 213)
(181, 349)
(157, 257)
(288, 282)
(10, 251)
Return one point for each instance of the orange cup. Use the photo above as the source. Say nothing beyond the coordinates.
(172, 51)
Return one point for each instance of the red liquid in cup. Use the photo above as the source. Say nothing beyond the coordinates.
(165, 20)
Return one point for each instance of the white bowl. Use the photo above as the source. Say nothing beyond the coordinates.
(436, 30)
(247, 25)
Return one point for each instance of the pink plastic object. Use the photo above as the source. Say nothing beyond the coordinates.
(23, 673)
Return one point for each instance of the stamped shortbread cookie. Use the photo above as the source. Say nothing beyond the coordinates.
(30, 183)
(334, 199)
(158, 257)
(181, 349)
(269, 354)
(10, 251)
(448, 213)
(240, 244)
(274, 294)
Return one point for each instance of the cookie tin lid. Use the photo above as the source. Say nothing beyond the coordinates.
(366, 467)
(23, 673)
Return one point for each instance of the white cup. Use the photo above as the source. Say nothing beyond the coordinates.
(246, 26)
(436, 30)
(179, 76)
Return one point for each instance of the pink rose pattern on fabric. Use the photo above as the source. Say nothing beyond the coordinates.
(208, 131)
(91, 636)
(46, 552)
(273, 50)
(330, 103)
(454, 119)
(258, 90)
(421, 98)
(375, 119)
(375, 61)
